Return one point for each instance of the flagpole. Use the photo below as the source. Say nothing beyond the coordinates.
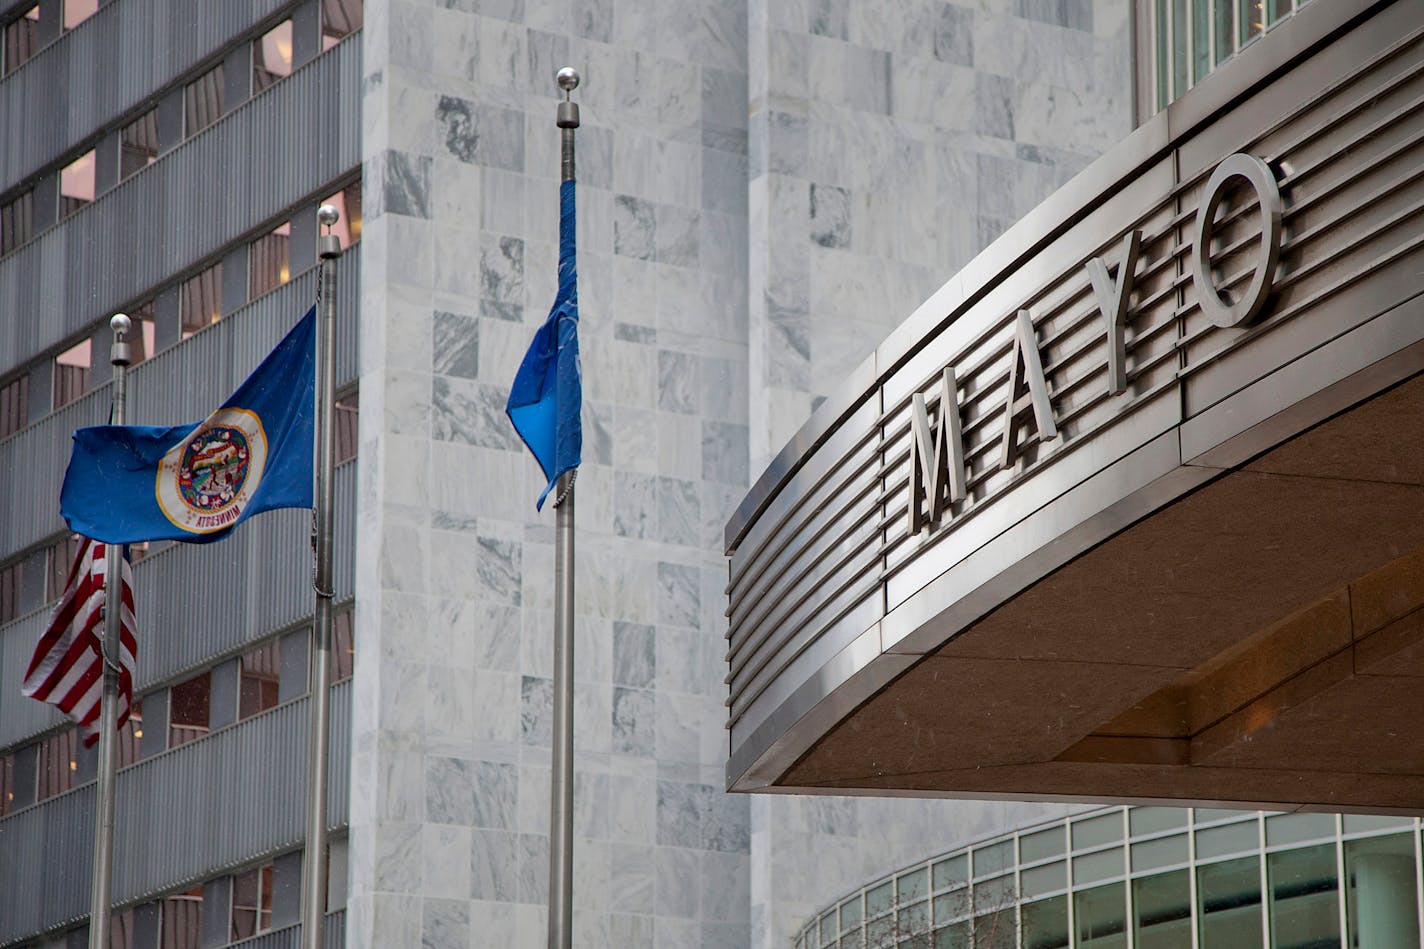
(100, 892)
(561, 798)
(314, 862)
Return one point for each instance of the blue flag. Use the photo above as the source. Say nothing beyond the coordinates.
(130, 483)
(547, 394)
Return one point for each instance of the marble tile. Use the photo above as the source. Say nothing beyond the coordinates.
(445, 861)
(677, 235)
(630, 931)
(866, 79)
(498, 569)
(679, 511)
(634, 228)
(724, 936)
(679, 721)
(678, 596)
(830, 216)
(635, 505)
(502, 269)
(725, 892)
(398, 857)
(631, 879)
(678, 382)
(471, 412)
(533, 868)
(634, 654)
(994, 98)
(536, 710)
(634, 722)
(676, 893)
(482, 134)
(954, 35)
(495, 858)
(724, 452)
(405, 184)
(456, 345)
(445, 923)
(787, 144)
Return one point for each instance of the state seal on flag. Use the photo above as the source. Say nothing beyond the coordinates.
(206, 480)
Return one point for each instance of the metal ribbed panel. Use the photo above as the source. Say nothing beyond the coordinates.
(829, 553)
(333, 936)
(180, 384)
(267, 155)
(111, 63)
(183, 816)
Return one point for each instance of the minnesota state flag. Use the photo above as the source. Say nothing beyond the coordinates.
(196, 482)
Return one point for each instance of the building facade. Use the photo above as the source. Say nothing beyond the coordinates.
(766, 190)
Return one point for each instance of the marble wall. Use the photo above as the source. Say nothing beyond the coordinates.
(888, 144)
(766, 188)
(449, 826)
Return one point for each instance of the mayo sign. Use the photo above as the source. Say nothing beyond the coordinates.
(938, 476)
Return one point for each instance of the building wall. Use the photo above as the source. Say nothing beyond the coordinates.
(449, 826)
(890, 143)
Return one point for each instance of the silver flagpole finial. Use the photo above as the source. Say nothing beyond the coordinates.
(328, 244)
(119, 354)
(568, 79)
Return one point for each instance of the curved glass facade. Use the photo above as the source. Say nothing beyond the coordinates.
(1150, 878)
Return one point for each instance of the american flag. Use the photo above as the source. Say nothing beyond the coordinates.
(68, 666)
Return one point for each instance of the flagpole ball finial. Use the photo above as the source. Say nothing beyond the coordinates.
(328, 215)
(120, 324)
(568, 79)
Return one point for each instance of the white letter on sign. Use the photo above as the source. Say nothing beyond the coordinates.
(936, 459)
(1112, 300)
(1263, 181)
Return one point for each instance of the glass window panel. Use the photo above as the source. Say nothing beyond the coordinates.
(71, 373)
(1041, 845)
(269, 261)
(1305, 908)
(1098, 866)
(951, 906)
(245, 896)
(994, 858)
(346, 427)
(10, 591)
(1044, 879)
(1201, 39)
(59, 557)
(914, 919)
(994, 894)
(855, 939)
(58, 761)
(200, 300)
(347, 202)
(258, 679)
(77, 11)
(879, 899)
(130, 736)
(138, 144)
(339, 18)
(1100, 916)
(1229, 904)
(141, 335)
(1097, 831)
(182, 920)
(913, 885)
(1294, 828)
(7, 783)
(17, 222)
(1208, 815)
(1163, 852)
(1163, 907)
(1179, 49)
(1161, 53)
(995, 930)
(343, 654)
(953, 936)
(951, 872)
(1381, 902)
(1279, 9)
(188, 710)
(1223, 30)
(76, 184)
(850, 909)
(1250, 20)
(828, 929)
(272, 56)
(1045, 924)
(1149, 820)
(1234, 838)
(203, 101)
(1360, 823)
(880, 932)
(21, 38)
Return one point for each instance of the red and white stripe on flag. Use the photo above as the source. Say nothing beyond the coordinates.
(68, 666)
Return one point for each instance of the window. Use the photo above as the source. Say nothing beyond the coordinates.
(10, 591)
(203, 101)
(348, 202)
(59, 557)
(200, 300)
(17, 222)
(21, 38)
(7, 783)
(1382, 898)
(77, 11)
(268, 263)
(181, 920)
(141, 334)
(71, 373)
(138, 144)
(58, 761)
(188, 710)
(343, 647)
(339, 19)
(121, 930)
(1229, 902)
(76, 184)
(251, 902)
(14, 405)
(272, 56)
(344, 427)
(1190, 38)
(130, 736)
(258, 679)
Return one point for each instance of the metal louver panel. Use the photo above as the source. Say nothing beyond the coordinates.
(267, 154)
(108, 65)
(183, 816)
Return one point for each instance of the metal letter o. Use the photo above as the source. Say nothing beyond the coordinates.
(1260, 177)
